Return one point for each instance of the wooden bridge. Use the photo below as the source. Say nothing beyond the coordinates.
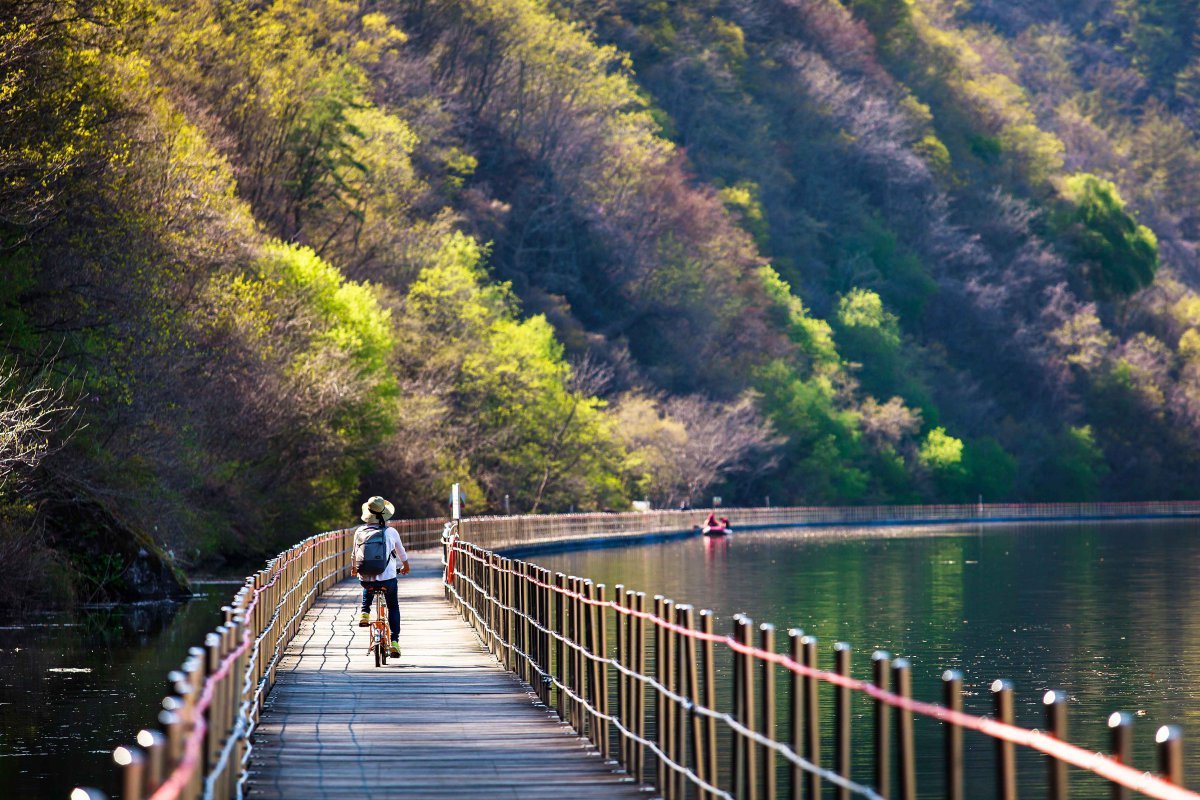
(518, 683)
(444, 720)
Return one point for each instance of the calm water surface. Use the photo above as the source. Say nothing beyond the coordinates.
(1109, 613)
(74, 687)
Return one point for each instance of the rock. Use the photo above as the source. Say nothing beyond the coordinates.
(112, 560)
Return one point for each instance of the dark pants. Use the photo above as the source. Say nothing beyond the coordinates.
(392, 597)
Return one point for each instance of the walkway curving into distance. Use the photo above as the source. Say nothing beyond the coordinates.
(444, 720)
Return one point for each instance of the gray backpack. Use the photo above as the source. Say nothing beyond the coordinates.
(371, 557)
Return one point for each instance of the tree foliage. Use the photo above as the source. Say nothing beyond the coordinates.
(572, 253)
(1119, 256)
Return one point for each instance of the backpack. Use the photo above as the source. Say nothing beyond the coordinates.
(372, 556)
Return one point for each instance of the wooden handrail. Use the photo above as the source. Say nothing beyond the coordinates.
(549, 630)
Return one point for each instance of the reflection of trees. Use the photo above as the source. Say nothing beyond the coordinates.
(945, 583)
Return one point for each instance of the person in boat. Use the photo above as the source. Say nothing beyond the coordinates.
(725, 522)
(711, 522)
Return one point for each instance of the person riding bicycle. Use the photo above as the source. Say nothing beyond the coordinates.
(376, 512)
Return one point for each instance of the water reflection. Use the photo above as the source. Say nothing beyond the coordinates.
(74, 687)
(1107, 612)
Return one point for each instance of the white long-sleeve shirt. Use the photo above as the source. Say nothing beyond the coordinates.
(395, 546)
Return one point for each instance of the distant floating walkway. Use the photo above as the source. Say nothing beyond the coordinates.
(444, 720)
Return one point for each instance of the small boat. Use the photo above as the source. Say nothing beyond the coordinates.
(716, 530)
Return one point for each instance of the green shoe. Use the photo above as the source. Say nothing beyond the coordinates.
(395, 649)
(364, 619)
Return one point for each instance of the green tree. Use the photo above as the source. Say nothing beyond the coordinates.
(1119, 256)
(526, 431)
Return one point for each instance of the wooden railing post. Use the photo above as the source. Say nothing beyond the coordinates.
(953, 750)
(173, 729)
(578, 671)
(745, 752)
(796, 712)
(547, 636)
(622, 628)
(602, 669)
(735, 738)
(523, 627)
(767, 644)
(666, 712)
(906, 753)
(709, 748)
(1006, 757)
(812, 710)
(639, 705)
(560, 649)
(1056, 723)
(1169, 739)
(679, 711)
(154, 745)
(880, 661)
(591, 665)
(842, 715)
(1120, 727)
(687, 619)
(132, 762)
(660, 678)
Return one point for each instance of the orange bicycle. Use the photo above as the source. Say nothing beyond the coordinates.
(379, 635)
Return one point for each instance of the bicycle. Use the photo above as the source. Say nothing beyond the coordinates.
(379, 634)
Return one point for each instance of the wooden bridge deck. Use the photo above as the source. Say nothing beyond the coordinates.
(444, 720)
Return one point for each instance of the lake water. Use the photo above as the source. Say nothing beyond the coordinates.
(1107, 612)
(73, 687)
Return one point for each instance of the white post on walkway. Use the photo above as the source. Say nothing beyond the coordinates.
(455, 502)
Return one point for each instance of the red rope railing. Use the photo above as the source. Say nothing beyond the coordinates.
(1100, 764)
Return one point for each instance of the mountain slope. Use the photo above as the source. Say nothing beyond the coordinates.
(260, 258)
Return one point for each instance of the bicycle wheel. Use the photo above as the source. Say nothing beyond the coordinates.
(382, 630)
(378, 651)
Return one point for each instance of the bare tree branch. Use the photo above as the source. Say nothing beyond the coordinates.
(31, 411)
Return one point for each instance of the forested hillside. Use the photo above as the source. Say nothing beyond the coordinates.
(262, 258)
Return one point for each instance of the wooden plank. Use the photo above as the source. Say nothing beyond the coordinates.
(444, 720)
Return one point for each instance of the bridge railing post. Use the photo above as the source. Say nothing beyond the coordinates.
(1169, 739)
(1006, 757)
(709, 694)
(880, 662)
(684, 707)
(588, 668)
(560, 647)
(132, 762)
(812, 712)
(172, 726)
(796, 712)
(582, 663)
(750, 753)
(690, 688)
(1055, 703)
(548, 633)
(906, 754)
(767, 644)
(601, 652)
(1120, 726)
(621, 623)
(660, 680)
(666, 711)
(953, 747)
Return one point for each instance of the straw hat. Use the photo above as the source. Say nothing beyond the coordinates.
(377, 508)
